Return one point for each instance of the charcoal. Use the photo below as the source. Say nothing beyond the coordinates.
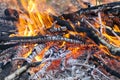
(5, 70)
(11, 12)
(24, 76)
(72, 44)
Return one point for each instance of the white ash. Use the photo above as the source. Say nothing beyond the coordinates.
(37, 49)
(74, 71)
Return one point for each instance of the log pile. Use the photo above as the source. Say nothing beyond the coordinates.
(90, 61)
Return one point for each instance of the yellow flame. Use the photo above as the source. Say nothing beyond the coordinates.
(36, 19)
(33, 21)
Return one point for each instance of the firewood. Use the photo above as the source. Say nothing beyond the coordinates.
(113, 8)
(37, 39)
(107, 68)
(21, 70)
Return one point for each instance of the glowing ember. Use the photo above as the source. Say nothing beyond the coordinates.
(35, 20)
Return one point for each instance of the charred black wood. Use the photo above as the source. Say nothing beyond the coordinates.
(9, 18)
(94, 10)
(89, 32)
(24, 76)
(114, 12)
(6, 30)
(11, 13)
(5, 70)
(108, 31)
(8, 54)
(8, 51)
(111, 20)
(56, 30)
(97, 39)
(62, 22)
(116, 20)
(108, 69)
(4, 46)
(114, 50)
(38, 39)
(21, 70)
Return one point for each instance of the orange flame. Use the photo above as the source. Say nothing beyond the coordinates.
(36, 19)
(33, 20)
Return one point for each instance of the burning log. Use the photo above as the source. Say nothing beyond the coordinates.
(38, 39)
(60, 50)
(21, 70)
(114, 50)
(6, 70)
(60, 29)
(6, 30)
(8, 45)
(94, 10)
(9, 18)
(34, 64)
(108, 69)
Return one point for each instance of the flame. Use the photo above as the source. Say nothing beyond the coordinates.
(36, 19)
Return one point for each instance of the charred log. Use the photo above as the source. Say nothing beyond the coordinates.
(107, 8)
(6, 30)
(114, 50)
(108, 69)
(62, 22)
(7, 45)
(37, 39)
(9, 18)
(11, 13)
(97, 39)
(5, 70)
(21, 70)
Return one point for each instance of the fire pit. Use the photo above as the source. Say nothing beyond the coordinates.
(36, 43)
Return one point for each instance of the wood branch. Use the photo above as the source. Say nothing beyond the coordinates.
(62, 22)
(5, 70)
(114, 50)
(97, 39)
(21, 70)
(113, 7)
(9, 18)
(38, 39)
(108, 69)
(8, 45)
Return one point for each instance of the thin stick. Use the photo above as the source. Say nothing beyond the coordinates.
(21, 70)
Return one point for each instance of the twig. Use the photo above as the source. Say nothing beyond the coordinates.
(108, 69)
(91, 25)
(94, 9)
(108, 28)
(38, 39)
(21, 70)
(114, 50)
(100, 21)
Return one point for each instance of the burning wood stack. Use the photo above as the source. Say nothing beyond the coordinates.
(79, 45)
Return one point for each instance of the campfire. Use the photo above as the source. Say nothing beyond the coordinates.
(38, 43)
